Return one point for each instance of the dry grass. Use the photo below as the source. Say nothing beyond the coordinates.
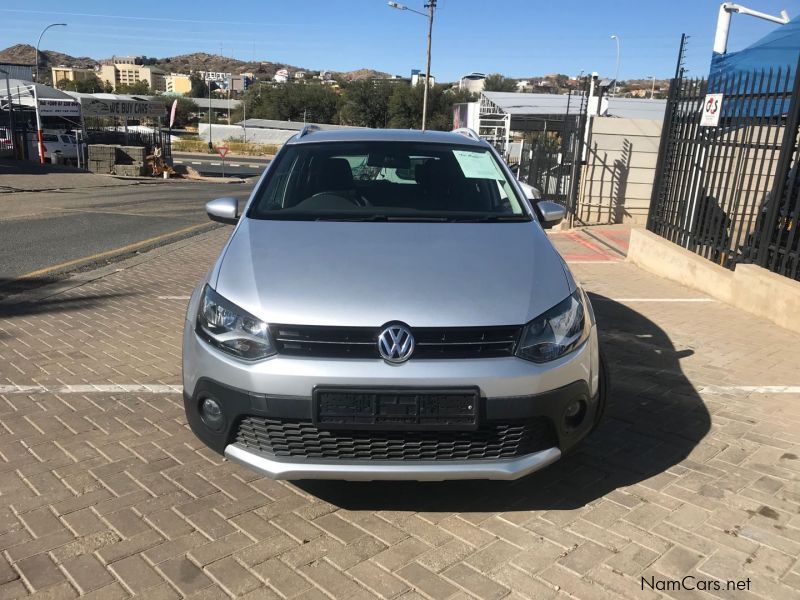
(241, 148)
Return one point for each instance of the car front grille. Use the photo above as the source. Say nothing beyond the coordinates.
(301, 439)
(361, 342)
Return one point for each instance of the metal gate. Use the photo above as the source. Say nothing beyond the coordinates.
(730, 192)
(550, 159)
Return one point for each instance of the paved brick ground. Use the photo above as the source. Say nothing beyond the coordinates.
(107, 494)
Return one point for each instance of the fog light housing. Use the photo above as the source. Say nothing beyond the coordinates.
(211, 414)
(574, 414)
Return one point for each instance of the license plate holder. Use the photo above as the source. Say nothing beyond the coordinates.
(396, 409)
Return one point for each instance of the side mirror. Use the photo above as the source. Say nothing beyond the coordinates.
(531, 193)
(223, 210)
(550, 213)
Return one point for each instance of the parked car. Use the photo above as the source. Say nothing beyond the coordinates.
(387, 326)
(55, 143)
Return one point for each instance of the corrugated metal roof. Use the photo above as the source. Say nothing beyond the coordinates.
(636, 108)
(521, 104)
(287, 125)
(518, 103)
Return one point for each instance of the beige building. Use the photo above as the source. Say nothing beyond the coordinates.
(176, 83)
(127, 73)
(71, 74)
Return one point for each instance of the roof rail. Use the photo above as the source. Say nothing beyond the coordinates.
(308, 129)
(470, 133)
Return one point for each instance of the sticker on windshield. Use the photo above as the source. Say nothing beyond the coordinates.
(478, 165)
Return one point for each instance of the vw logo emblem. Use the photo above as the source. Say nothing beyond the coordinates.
(395, 343)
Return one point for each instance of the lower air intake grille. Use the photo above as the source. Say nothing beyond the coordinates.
(301, 439)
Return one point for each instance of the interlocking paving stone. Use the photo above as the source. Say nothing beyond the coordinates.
(103, 493)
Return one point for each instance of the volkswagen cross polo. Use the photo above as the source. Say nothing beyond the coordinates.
(388, 306)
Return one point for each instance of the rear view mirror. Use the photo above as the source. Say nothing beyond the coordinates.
(223, 210)
(550, 213)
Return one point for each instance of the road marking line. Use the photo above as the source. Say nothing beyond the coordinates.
(139, 388)
(594, 262)
(173, 297)
(178, 162)
(255, 165)
(655, 300)
(753, 389)
(196, 162)
(120, 250)
(216, 164)
(234, 165)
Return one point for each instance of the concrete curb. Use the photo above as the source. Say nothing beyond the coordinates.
(749, 287)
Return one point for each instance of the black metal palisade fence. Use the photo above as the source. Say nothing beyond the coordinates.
(731, 192)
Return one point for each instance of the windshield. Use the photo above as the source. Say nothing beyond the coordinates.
(358, 181)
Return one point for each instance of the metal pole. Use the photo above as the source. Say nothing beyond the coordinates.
(430, 6)
(244, 117)
(37, 45)
(208, 84)
(10, 113)
(38, 125)
(616, 72)
(653, 88)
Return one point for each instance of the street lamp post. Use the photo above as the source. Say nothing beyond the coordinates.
(653, 87)
(615, 37)
(39, 41)
(431, 6)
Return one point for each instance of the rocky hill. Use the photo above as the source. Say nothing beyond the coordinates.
(184, 63)
(26, 54)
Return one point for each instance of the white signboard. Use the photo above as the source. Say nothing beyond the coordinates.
(122, 108)
(712, 107)
(51, 107)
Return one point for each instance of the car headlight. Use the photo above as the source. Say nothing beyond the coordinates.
(231, 329)
(557, 331)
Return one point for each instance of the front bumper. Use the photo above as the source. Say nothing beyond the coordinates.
(512, 468)
(280, 388)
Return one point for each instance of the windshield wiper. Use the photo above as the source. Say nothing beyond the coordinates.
(488, 219)
(379, 217)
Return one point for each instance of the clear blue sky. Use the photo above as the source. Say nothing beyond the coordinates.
(515, 37)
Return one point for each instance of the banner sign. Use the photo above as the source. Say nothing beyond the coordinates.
(51, 107)
(100, 107)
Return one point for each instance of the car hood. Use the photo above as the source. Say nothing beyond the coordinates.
(367, 273)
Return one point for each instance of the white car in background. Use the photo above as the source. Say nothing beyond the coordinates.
(55, 143)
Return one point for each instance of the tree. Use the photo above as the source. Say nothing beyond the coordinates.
(184, 112)
(89, 85)
(140, 87)
(365, 103)
(199, 87)
(405, 106)
(313, 103)
(495, 82)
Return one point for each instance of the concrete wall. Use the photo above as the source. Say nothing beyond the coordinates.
(617, 179)
(748, 287)
(257, 136)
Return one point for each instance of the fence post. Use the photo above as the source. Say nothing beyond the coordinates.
(782, 172)
(664, 153)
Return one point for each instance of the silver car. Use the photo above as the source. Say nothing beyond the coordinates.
(388, 306)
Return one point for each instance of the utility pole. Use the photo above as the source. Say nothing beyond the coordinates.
(653, 88)
(210, 145)
(431, 6)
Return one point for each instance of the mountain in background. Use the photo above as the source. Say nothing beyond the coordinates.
(184, 63)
